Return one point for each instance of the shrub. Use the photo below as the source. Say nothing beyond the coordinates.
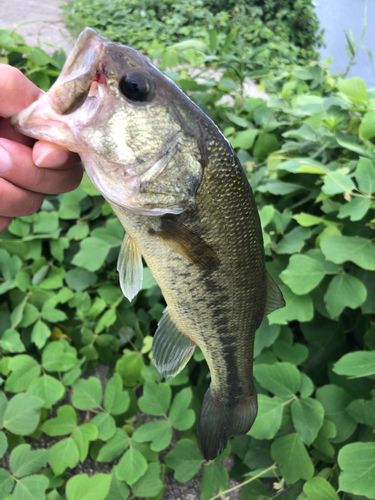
(290, 29)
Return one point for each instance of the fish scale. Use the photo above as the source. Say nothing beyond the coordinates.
(182, 196)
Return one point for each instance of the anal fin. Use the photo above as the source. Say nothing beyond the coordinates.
(275, 299)
(130, 268)
(187, 244)
(171, 349)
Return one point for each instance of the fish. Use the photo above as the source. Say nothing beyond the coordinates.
(179, 190)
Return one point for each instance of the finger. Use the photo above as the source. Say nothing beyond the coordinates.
(18, 168)
(17, 91)
(17, 202)
(7, 131)
(4, 223)
(49, 155)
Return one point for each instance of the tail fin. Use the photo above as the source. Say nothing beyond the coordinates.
(222, 418)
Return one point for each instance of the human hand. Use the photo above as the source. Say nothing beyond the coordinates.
(28, 169)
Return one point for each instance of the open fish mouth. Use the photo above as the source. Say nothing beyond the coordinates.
(82, 77)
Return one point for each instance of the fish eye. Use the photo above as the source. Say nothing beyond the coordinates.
(135, 85)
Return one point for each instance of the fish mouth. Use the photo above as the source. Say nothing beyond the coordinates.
(83, 78)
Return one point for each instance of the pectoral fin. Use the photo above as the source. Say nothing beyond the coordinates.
(129, 266)
(171, 349)
(187, 244)
(275, 299)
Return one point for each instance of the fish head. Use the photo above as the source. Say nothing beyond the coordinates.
(132, 126)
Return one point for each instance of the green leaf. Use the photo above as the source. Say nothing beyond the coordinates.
(158, 432)
(82, 436)
(57, 250)
(64, 423)
(116, 400)
(339, 249)
(92, 254)
(24, 370)
(303, 274)
(354, 89)
(265, 145)
(23, 461)
(365, 174)
(22, 414)
(115, 446)
(307, 220)
(40, 333)
(31, 488)
(293, 241)
(82, 487)
(156, 398)
(62, 455)
(119, 489)
(362, 411)
(70, 207)
(244, 139)
(356, 209)
(307, 416)
(367, 126)
(215, 477)
(47, 388)
(11, 341)
(50, 313)
(265, 336)
(179, 415)
(356, 364)
(294, 462)
(3, 443)
(282, 379)
(295, 354)
(130, 367)
(185, 459)
(337, 182)
(357, 462)
(326, 433)
(335, 401)
(58, 357)
(87, 394)
(306, 387)
(150, 483)
(6, 483)
(318, 488)
(343, 291)
(268, 421)
(79, 279)
(105, 424)
(131, 467)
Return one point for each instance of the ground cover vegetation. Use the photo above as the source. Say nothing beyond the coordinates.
(308, 151)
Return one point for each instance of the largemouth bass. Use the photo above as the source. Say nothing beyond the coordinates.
(181, 194)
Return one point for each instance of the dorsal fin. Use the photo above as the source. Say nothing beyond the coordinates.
(275, 299)
(171, 349)
(129, 266)
(187, 244)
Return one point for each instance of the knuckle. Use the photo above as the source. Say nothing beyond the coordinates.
(32, 203)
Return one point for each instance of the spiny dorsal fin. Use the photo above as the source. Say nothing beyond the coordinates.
(129, 266)
(171, 349)
(275, 299)
(187, 244)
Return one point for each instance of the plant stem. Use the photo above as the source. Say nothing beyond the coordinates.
(222, 493)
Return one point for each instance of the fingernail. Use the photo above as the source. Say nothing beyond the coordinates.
(52, 157)
(5, 161)
(38, 162)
